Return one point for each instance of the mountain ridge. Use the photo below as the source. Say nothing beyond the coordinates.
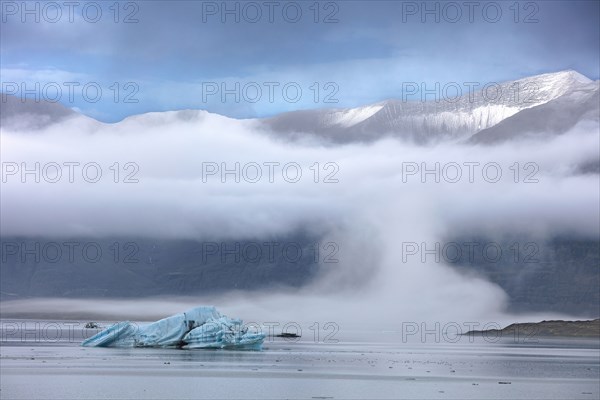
(427, 121)
(500, 112)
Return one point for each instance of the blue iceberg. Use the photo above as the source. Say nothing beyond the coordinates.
(199, 328)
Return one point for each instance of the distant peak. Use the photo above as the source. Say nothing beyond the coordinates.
(566, 75)
(577, 76)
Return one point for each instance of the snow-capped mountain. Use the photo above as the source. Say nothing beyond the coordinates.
(444, 118)
(580, 103)
(549, 103)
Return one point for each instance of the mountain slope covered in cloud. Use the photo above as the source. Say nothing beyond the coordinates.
(28, 114)
(370, 211)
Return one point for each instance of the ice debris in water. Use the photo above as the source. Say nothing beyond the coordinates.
(201, 327)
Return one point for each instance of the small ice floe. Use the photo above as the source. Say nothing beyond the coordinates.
(199, 328)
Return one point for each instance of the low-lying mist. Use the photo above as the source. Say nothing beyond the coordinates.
(173, 175)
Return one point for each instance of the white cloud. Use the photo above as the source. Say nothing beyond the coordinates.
(369, 213)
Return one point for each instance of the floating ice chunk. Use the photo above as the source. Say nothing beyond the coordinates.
(223, 333)
(118, 335)
(200, 327)
(169, 331)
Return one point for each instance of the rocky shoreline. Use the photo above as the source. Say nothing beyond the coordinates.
(557, 328)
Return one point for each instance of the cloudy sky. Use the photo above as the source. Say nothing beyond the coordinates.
(176, 55)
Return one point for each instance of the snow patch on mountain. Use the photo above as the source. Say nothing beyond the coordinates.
(353, 116)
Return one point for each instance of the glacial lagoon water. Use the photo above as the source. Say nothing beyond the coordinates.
(44, 360)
